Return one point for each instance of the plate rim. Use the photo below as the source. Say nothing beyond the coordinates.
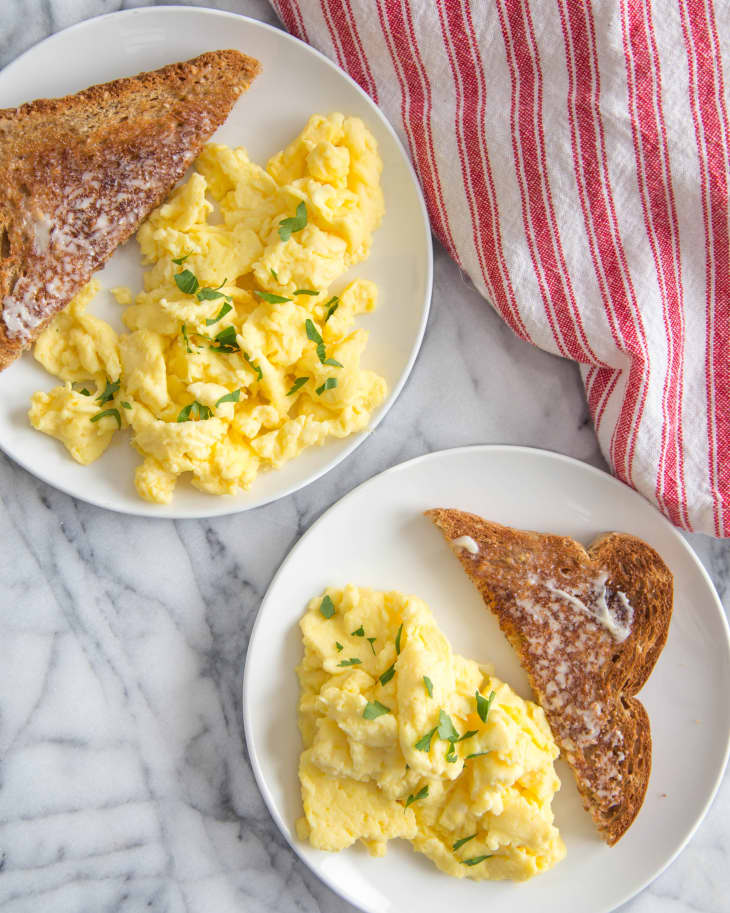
(542, 453)
(227, 505)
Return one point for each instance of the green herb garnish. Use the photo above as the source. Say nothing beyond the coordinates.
(225, 341)
(287, 227)
(421, 794)
(339, 646)
(126, 405)
(270, 297)
(113, 412)
(460, 843)
(374, 709)
(371, 641)
(110, 391)
(467, 735)
(194, 410)
(476, 754)
(327, 607)
(350, 662)
(180, 260)
(429, 685)
(305, 291)
(187, 282)
(329, 384)
(483, 705)
(475, 860)
(84, 392)
(331, 306)
(232, 397)
(358, 632)
(254, 365)
(387, 675)
(297, 385)
(329, 361)
(274, 274)
(312, 332)
(424, 743)
(451, 755)
(210, 294)
(397, 640)
(446, 728)
(187, 341)
(225, 308)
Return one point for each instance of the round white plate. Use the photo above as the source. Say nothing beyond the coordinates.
(296, 81)
(376, 536)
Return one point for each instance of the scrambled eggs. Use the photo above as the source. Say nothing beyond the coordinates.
(403, 738)
(239, 353)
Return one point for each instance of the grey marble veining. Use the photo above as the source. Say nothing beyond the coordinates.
(124, 780)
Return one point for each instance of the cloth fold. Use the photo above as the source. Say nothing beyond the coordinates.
(575, 159)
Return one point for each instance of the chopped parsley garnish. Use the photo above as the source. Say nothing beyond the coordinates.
(483, 705)
(476, 754)
(446, 728)
(397, 640)
(312, 332)
(358, 632)
(274, 274)
(254, 365)
(287, 227)
(387, 675)
(460, 843)
(451, 755)
(187, 341)
(424, 743)
(429, 685)
(350, 662)
(374, 709)
(109, 392)
(327, 607)
(232, 397)
(113, 412)
(225, 309)
(421, 794)
(339, 646)
(371, 641)
(194, 410)
(225, 341)
(270, 297)
(305, 291)
(331, 306)
(126, 405)
(475, 860)
(210, 294)
(180, 260)
(329, 361)
(467, 735)
(329, 384)
(297, 385)
(85, 392)
(187, 282)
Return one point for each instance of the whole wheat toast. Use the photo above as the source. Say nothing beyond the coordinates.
(588, 627)
(78, 175)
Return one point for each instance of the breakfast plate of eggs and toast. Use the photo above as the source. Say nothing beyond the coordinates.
(273, 288)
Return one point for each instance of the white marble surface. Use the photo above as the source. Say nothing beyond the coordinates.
(124, 779)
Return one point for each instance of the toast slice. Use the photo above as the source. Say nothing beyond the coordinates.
(588, 627)
(78, 175)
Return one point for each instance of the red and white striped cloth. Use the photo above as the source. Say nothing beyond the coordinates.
(575, 160)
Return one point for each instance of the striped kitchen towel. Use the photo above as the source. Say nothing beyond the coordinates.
(574, 157)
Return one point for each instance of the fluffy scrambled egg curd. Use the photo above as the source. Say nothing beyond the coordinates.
(239, 352)
(403, 738)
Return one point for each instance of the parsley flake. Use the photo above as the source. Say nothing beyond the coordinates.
(387, 675)
(475, 860)
(126, 405)
(350, 662)
(460, 843)
(451, 755)
(287, 227)
(225, 341)
(113, 412)
(483, 705)
(210, 294)
(339, 646)
(358, 632)
(446, 728)
(421, 794)
(274, 274)
(371, 641)
(180, 260)
(232, 397)
(424, 743)
(331, 306)
(312, 332)
(374, 709)
(254, 365)
(397, 640)
(467, 735)
(476, 754)
(270, 297)
(194, 410)
(187, 282)
(305, 291)
(225, 309)
(329, 384)
(110, 391)
(297, 385)
(327, 607)
(429, 685)
(84, 391)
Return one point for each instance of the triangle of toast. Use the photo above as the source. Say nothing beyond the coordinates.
(588, 625)
(78, 175)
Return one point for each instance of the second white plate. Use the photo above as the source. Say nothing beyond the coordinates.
(377, 536)
(296, 81)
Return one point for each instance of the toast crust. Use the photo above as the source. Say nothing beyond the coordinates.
(78, 175)
(588, 626)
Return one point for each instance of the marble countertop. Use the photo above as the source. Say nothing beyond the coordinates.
(124, 779)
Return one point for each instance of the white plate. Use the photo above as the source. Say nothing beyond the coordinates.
(376, 536)
(296, 81)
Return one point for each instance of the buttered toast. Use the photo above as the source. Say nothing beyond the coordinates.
(78, 175)
(588, 626)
